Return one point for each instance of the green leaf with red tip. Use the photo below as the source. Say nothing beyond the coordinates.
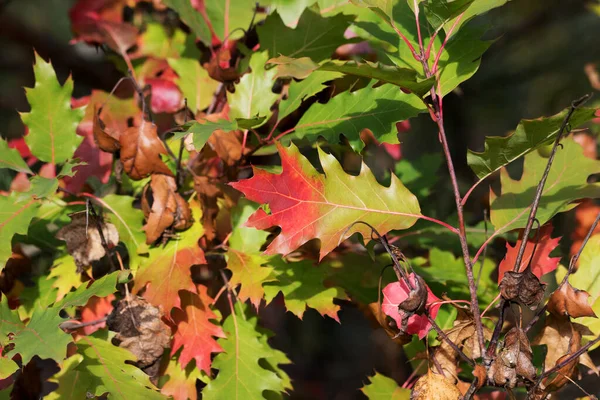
(181, 383)
(309, 205)
(248, 265)
(52, 122)
(529, 135)
(567, 182)
(167, 270)
(374, 108)
(16, 212)
(381, 387)
(242, 373)
(302, 286)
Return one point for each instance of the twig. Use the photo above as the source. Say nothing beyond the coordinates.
(109, 251)
(491, 350)
(563, 363)
(70, 325)
(485, 215)
(179, 175)
(540, 188)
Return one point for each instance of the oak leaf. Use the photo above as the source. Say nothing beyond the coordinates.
(164, 208)
(169, 271)
(182, 381)
(309, 205)
(395, 294)
(513, 360)
(96, 309)
(195, 333)
(541, 262)
(106, 137)
(140, 151)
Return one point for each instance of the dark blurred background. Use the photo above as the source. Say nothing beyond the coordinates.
(534, 68)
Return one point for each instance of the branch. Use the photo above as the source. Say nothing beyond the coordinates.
(540, 188)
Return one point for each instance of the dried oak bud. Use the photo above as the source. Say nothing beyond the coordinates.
(523, 287)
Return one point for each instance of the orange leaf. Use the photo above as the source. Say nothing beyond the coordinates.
(194, 334)
(140, 151)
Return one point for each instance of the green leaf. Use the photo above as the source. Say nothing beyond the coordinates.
(230, 19)
(201, 131)
(301, 284)
(253, 95)
(419, 175)
(195, 84)
(43, 187)
(315, 36)
(42, 335)
(403, 77)
(51, 122)
(290, 11)
(72, 384)
(10, 158)
(244, 256)
(381, 387)
(16, 212)
(348, 113)
(567, 181)
(100, 287)
(192, 18)
(460, 58)
(67, 168)
(241, 372)
(156, 42)
(529, 135)
(300, 91)
(40, 294)
(106, 369)
(477, 7)
(439, 12)
(7, 367)
(129, 223)
(64, 276)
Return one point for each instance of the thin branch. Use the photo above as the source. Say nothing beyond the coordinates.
(491, 350)
(540, 188)
(180, 176)
(445, 338)
(575, 259)
(485, 218)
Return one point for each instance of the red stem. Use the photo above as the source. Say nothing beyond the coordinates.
(439, 53)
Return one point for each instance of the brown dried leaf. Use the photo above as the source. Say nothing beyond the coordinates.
(164, 208)
(140, 152)
(523, 287)
(107, 139)
(513, 360)
(227, 146)
(562, 337)
(434, 386)
(209, 193)
(83, 238)
(140, 329)
(481, 374)
(570, 302)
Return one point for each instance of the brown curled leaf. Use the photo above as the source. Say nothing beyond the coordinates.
(523, 287)
(141, 149)
(570, 302)
(513, 360)
(164, 208)
(106, 138)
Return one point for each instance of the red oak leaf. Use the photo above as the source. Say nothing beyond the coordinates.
(95, 309)
(195, 333)
(395, 293)
(309, 205)
(541, 264)
(166, 97)
(169, 271)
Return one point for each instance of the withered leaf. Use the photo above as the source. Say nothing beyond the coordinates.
(562, 337)
(377, 317)
(523, 287)
(140, 151)
(227, 145)
(164, 208)
(570, 302)
(140, 329)
(417, 298)
(83, 238)
(434, 386)
(209, 193)
(107, 139)
(513, 360)
(464, 335)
